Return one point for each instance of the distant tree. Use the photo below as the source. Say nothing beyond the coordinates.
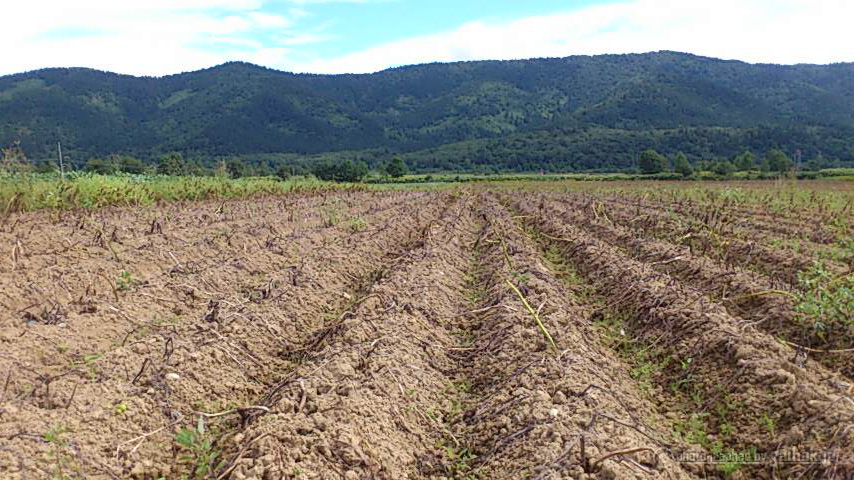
(221, 169)
(47, 166)
(345, 171)
(127, 164)
(263, 170)
(236, 168)
(171, 164)
(103, 166)
(682, 166)
(819, 162)
(653, 162)
(324, 170)
(778, 161)
(283, 171)
(14, 160)
(396, 168)
(723, 168)
(196, 168)
(745, 161)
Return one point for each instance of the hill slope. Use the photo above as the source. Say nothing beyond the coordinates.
(575, 112)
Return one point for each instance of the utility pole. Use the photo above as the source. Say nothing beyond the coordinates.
(61, 164)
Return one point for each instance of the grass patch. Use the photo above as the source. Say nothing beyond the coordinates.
(26, 192)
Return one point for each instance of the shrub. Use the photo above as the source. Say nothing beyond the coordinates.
(653, 162)
(346, 171)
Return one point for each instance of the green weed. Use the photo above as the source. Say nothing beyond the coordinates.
(356, 225)
(60, 459)
(825, 303)
(460, 461)
(769, 422)
(199, 453)
(125, 281)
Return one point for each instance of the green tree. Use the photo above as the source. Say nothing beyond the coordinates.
(283, 171)
(778, 161)
(345, 171)
(236, 168)
(263, 170)
(745, 161)
(682, 166)
(103, 166)
(14, 160)
(653, 162)
(46, 166)
(171, 164)
(396, 168)
(221, 169)
(819, 162)
(128, 164)
(723, 168)
(195, 167)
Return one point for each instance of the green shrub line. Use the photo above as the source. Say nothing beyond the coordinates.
(833, 173)
(30, 191)
(20, 192)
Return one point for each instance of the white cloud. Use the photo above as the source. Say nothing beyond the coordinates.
(157, 37)
(143, 37)
(773, 31)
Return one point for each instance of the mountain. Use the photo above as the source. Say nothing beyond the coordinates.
(582, 112)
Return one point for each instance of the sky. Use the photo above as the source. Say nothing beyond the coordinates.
(163, 37)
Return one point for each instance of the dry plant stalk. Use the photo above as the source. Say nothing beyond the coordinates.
(534, 313)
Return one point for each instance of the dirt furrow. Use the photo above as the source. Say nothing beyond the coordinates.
(181, 288)
(748, 393)
(779, 255)
(744, 294)
(372, 401)
(546, 400)
(235, 345)
(782, 267)
(734, 220)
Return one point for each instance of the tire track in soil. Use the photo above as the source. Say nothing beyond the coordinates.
(325, 276)
(530, 411)
(745, 295)
(370, 400)
(748, 391)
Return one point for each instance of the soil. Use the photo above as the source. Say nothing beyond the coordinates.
(403, 335)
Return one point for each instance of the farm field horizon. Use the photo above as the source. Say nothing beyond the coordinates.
(485, 330)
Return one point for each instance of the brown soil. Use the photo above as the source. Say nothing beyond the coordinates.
(747, 295)
(225, 318)
(544, 411)
(744, 376)
(774, 237)
(746, 250)
(362, 335)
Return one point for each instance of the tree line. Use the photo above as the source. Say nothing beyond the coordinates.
(774, 160)
(14, 160)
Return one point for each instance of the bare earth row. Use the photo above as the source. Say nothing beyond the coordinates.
(399, 335)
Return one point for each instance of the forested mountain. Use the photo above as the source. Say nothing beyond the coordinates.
(584, 112)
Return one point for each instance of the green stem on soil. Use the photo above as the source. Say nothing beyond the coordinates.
(534, 313)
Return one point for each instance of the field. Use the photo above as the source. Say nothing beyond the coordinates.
(521, 330)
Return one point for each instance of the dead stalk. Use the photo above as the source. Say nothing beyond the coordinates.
(620, 452)
(534, 313)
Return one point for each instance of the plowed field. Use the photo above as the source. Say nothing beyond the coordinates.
(466, 334)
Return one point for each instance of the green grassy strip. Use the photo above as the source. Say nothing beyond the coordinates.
(27, 192)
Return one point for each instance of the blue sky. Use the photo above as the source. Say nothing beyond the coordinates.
(160, 37)
(364, 25)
